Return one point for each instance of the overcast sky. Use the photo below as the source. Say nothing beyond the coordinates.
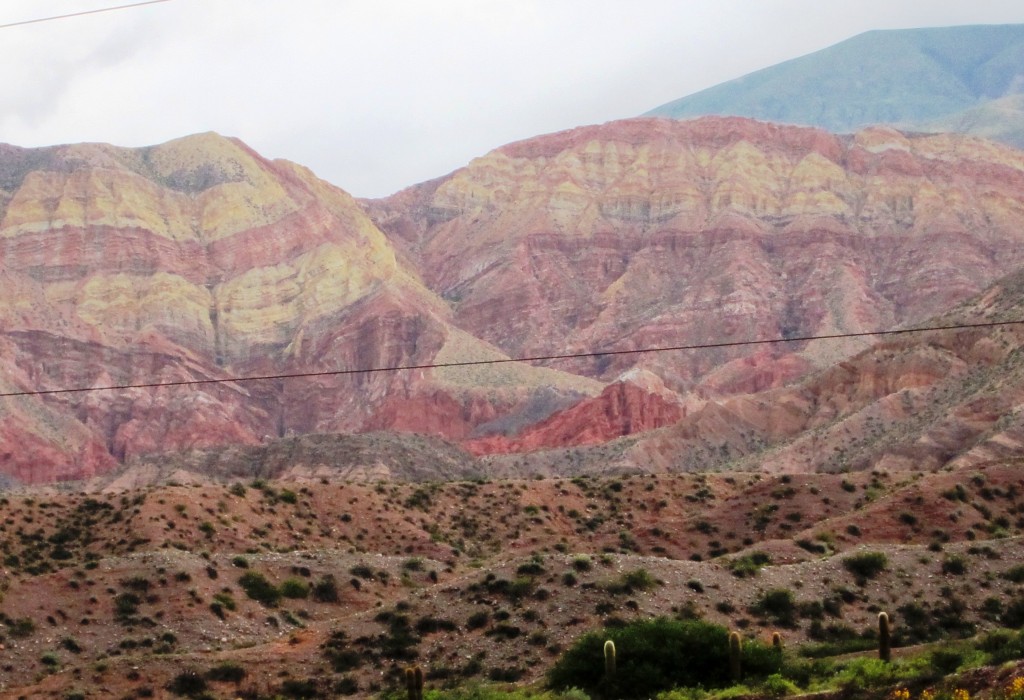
(376, 95)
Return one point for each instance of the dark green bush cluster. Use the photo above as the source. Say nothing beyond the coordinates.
(749, 564)
(657, 655)
(257, 587)
(865, 565)
(779, 605)
(631, 581)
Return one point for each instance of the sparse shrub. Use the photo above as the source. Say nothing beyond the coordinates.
(362, 571)
(955, 565)
(326, 590)
(531, 568)
(71, 644)
(777, 686)
(1014, 574)
(187, 683)
(295, 688)
(257, 587)
(431, 625)
(294, 588)
(478, 619)
(140, 584)
(749, 564)
(779, 605)
(582, 563)
(630, 581)
(339, 653)
(866, 564)
(126, 605)
(226, 672)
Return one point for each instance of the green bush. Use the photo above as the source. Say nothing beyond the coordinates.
(226, 672)
(1014, 574)
(257, 587)
(777, 604)
(187, 683)
(776, 686)
(866, 564)
(955, 565)
(1003, 645)
(630, 581)
(749, 564)
(1013, 616)
(294, 588)
(326, 590)
(657, 655)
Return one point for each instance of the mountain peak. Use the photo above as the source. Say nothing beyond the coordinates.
(899, 76)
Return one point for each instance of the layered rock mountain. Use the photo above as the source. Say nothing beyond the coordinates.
(651, 233)
(945, 78)
(923, 401)
(200, 260)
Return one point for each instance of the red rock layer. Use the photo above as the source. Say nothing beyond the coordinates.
(621, 409)
(649, 232)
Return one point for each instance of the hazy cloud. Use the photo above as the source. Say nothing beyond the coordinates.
(375, 96)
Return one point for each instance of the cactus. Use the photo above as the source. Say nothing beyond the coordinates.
(777, 641)
(735, 649)
(414, 682)
(609, 659)
(884, 637)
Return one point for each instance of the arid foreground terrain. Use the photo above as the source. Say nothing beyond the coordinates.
(320, 589)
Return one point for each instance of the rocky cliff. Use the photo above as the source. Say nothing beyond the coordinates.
(647, 233)
(200, 260)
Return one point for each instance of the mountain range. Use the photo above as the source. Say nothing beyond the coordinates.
(262, 439)
(964, 79)
(198, 264)
(200, 260)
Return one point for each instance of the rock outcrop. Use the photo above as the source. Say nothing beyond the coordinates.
(193, 261)
(648, 233)
(199, 261)
(636, 403)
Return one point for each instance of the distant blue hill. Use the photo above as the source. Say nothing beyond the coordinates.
(906, 77)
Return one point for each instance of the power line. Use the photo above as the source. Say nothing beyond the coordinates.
(79, 14)
(537, 358)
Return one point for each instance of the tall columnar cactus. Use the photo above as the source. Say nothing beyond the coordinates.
(609, 659)
(884, 637)
(414, 682)
(777, 641)
(735, 649)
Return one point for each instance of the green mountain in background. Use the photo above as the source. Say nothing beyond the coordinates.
(950, 78)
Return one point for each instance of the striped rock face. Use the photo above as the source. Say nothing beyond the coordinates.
(199, 259)
(653, 232)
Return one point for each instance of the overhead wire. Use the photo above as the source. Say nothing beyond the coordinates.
(81, 13)
(535, 358)
(447, 365)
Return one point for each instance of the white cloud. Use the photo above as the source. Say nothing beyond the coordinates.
(377, 95)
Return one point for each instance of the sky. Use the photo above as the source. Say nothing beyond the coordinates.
(377, 95)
